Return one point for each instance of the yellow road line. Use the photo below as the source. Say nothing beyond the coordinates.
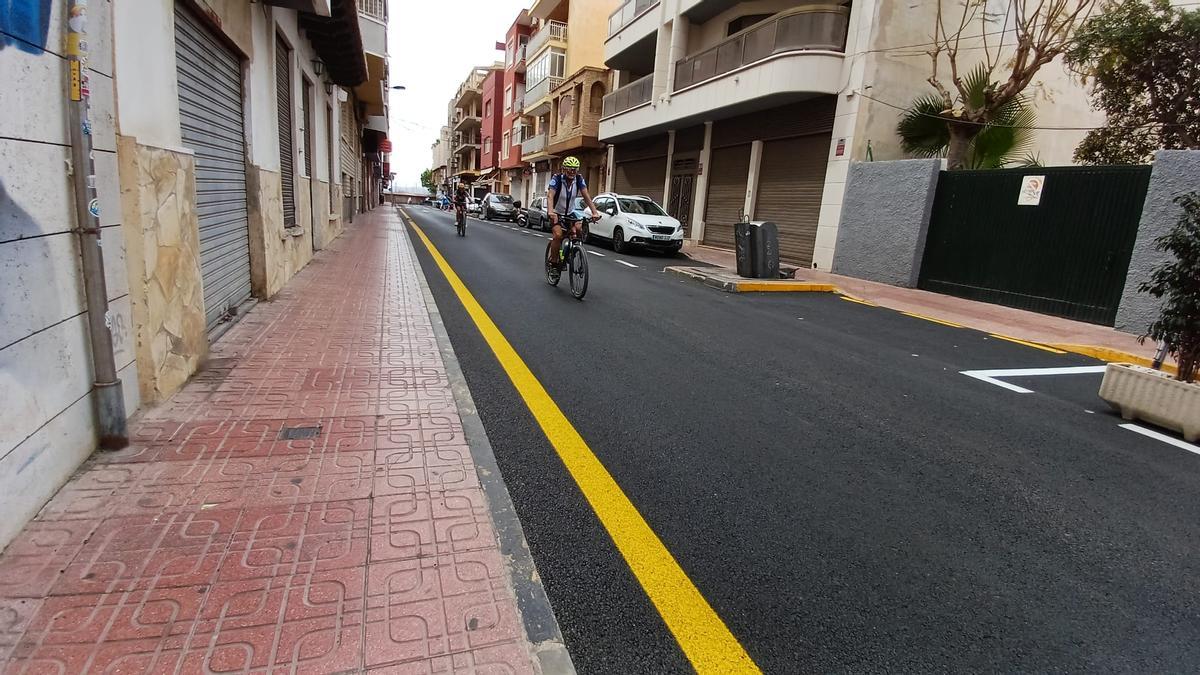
(850, 298)
(930, 318)
(1114, 355)
(1035, 345)
(782, 287)
(704, 638)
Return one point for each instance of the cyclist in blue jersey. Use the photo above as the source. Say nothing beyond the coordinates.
(561, 192)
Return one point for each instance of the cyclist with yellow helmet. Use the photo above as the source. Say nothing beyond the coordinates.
(561, 192)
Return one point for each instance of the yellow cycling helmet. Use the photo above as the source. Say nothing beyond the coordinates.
(570, 163)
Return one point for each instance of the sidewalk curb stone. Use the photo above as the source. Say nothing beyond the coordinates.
(537, 616)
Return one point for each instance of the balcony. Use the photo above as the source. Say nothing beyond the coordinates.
(805, 29)
(553, 33)
(470, 88)
(533, 145)
(791, 56)
(536, 97)
(630, 96)
(376, 9)
(519, 59)
(466, 144)
(626, 13)
(374, 33)
(468, 123)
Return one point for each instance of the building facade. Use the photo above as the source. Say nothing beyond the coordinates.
(491, 124)
(731, 110)
(513, 171)
(231, 141)
(565, 68)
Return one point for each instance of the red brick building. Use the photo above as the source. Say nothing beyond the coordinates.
(512, 170)
(490, 134)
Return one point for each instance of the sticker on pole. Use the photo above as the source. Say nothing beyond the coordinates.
(94, 207)
(1031, 191)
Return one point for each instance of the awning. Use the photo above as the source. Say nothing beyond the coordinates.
(338, 41)
(489, 174)
(377, 123)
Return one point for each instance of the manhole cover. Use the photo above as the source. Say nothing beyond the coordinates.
(299, 433)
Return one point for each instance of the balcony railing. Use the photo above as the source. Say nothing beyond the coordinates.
(815, 28)
(533, 144)
(626, 13)
(631, 95)
(540, 90)
(553, 30)
(376, 9)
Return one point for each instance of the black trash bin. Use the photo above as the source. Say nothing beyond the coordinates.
(744, 250)
(757, 248)
(764, 244)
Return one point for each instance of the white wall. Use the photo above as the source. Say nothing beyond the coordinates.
(46, 414)
(147, 92)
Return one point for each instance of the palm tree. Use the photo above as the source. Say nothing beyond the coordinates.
(1005, 138)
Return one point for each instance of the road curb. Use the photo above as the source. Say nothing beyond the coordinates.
(1113, 356)
(731, 283)
(537, 616)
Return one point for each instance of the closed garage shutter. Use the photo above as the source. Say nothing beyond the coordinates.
(726, 193)
(283, 105)
(210, 111)
(791, 182)
(642, 177)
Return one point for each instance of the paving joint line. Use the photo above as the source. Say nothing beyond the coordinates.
(537, 616)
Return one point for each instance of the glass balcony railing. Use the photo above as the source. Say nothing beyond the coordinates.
(821, 28)
(376, 9)
(541, 89)
(631, 95)
(626, 13)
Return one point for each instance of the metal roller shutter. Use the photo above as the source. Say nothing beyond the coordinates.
(730, 169)
(349, 157)
(642, 177)
(791, 182)
(211, 121)
(283, 100)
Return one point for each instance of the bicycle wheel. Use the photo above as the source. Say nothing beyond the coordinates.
(579, 271)
(461, 224)
(553, 274)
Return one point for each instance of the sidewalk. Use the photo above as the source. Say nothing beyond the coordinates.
(1074, 336)
(308, 503)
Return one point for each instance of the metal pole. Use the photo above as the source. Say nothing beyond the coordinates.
(109, 399)
(1160, 355)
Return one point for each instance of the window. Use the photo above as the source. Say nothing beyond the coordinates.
(487, 146)
(596, 98)
(743, 22)
(487, 112)
(576, 104)
(641, 206)
(508, 99)
(504, 149)
(551, 64)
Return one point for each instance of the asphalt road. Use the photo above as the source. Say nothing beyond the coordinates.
(841, 494)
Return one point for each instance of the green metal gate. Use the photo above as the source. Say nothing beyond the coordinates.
(1067, 256)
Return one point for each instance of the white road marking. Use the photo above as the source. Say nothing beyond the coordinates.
(542, 236)
(627, 264)
(990, 376)
(596, 253)
(1170, 440)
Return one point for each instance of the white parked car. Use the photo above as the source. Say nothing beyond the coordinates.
(473, 206)
(636, 220)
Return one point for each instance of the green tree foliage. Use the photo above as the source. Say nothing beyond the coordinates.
(1004, 140)
(1143, 59)
(427, 181)
(1177, 283)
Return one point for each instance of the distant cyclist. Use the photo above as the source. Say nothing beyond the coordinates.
(460, 200)
(561, 192)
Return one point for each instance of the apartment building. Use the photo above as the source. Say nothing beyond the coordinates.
(730, 110)
(231, 141)
(492, 97)
(513, 171)
(466, 123)
(565, 57)
(440, 167)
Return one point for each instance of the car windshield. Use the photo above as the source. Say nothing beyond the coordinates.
(503, 199)
(644, 207)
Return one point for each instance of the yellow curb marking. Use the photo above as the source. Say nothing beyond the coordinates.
(1114, 355)
(704, 638)
(1035, 345)
(930, 318)
(782, 287)
(850, 298)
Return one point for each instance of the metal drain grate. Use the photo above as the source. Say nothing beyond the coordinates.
(299, 433)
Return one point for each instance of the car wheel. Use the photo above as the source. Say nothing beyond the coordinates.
(618, 241)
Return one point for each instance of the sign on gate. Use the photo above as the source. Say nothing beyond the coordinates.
(1031, 191)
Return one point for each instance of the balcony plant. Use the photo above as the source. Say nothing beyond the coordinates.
(1151, 395)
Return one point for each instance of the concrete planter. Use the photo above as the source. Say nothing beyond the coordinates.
(1153, 396)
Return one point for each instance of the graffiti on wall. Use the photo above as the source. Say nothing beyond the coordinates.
(24, 24)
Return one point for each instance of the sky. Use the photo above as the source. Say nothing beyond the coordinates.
(433, 45)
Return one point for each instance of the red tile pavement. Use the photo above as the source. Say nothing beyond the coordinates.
(214, 544)
(982, 316)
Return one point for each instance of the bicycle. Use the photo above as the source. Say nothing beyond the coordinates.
(460, 221)
(572, 256)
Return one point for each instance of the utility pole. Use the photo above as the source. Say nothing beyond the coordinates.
(109, 398)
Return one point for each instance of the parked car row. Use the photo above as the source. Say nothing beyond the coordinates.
(626, 221)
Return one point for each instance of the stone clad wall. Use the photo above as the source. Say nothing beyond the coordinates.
(158, 199)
